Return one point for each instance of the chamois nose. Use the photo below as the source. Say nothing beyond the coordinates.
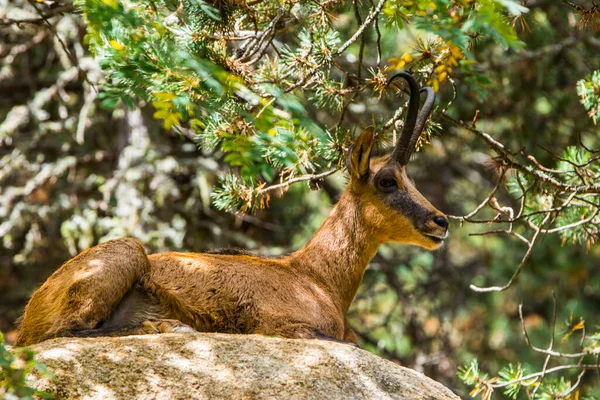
(441, 221)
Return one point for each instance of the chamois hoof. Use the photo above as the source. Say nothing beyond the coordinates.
(183, 329)
(167, 326)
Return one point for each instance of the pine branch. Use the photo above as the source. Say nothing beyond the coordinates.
(304, 178)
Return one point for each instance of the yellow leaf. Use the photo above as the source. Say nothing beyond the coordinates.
(442, 77)
(116, 45)
(406, 57)
(161, 114)
(111, 3)
(578, 326)
(456, 51)
(397, 63)
(164, 96)
(436, 85)
(162, 105)
(440, 69)
(172, 119)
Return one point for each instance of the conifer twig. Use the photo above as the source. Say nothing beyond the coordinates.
(309, 177)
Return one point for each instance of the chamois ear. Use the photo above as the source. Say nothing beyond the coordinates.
(360, 152)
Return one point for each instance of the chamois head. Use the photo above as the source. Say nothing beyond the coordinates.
(390, 203)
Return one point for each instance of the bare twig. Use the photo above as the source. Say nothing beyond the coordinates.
(569, 226)
(573, 6)
(520, 216)
(265, 40)
(286, 184)
(89, 97)
(41, 19)
(481, 205)
(549, 351)
(548, 371)
(536, 379)
(63, 44)
(378, 41)
(372, 15)
(550, 346)
(361, 51)
(519, 268)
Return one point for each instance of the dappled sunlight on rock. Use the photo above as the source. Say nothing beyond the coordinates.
(309, 358)
(221, 366)
(62, 353)
(184, 364)
(101, 392)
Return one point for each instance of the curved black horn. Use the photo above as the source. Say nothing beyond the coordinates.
(403, 144)
(421, 119)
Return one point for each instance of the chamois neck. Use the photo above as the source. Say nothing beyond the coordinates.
(340, 251)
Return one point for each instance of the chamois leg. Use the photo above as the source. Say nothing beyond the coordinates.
(138, 313)
(84, 291)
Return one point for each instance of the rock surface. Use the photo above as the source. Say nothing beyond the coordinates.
(219, 366)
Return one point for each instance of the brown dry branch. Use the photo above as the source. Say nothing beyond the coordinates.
(588, 17)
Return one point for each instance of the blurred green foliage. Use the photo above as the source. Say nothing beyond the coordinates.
(148, 115)
(14, 369)
(589, 91)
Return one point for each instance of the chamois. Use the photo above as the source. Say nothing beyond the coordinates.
(115, 288)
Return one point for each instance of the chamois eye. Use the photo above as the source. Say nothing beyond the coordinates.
(388, 184)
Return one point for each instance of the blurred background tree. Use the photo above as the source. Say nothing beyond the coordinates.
(193, 125)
